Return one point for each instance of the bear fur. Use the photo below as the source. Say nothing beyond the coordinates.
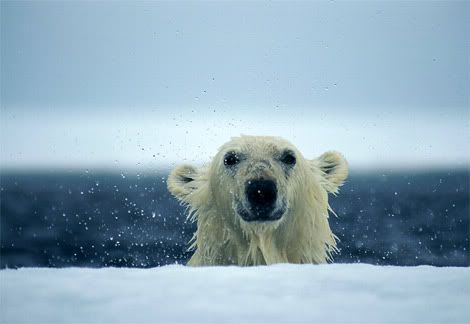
(223, 237)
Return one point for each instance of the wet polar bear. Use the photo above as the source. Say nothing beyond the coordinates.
(260, 202)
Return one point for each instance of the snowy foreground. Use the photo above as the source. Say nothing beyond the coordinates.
(281, 293)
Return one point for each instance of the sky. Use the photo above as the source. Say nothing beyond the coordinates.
(148, 84)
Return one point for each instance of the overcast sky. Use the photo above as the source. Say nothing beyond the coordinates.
(112, 84)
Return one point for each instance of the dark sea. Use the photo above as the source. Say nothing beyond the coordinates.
(98, 219)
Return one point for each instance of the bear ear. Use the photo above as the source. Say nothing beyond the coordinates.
(183, 181)
(333, 168)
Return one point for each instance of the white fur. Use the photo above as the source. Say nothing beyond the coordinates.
(302, 235)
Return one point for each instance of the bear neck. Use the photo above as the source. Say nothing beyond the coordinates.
(302, 236)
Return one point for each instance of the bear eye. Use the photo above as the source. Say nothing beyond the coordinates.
(288, 158)
(231, 158)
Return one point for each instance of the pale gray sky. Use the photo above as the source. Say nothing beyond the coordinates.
(89, 83)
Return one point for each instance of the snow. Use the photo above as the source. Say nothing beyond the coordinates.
(280, 293)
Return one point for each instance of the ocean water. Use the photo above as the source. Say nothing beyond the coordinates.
(95, 219)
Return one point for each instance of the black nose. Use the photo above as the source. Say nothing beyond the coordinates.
(261, 194)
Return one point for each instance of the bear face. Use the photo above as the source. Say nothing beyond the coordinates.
(255, 180)
(260, 202)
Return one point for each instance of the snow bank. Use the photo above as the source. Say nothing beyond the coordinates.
(280, 293)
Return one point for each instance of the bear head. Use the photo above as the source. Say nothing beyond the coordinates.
(257, 188)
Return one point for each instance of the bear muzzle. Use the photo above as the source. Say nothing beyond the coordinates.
(261, 200)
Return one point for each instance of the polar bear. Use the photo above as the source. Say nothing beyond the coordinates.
(260, 202)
